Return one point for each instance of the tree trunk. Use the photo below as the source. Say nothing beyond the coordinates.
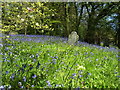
(67, 19)
(25, 31)
(118, 31)
(90, 34)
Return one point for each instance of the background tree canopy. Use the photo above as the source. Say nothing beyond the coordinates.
(95, 22)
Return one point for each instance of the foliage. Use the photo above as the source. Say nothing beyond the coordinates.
(21, 15)
(57, 65)
(89, 19)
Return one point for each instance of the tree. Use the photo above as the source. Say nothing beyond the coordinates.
(20, 16)
(96, 12)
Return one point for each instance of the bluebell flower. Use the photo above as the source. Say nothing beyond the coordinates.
(10, 53)
(37, 55)
(77, 88)
(49, 84)
(31, 68)
(74, 74)
(12, 76)
(1, 87)
(34, 60)
(22, 69)
(80, 76)
(20, 83)
(115, 72)
(24, 65)
(21, 87)
(96, 59)
(53, 61)
(34, 76)
(7, 72)
(118, 76)
(1, 45)
(24, 79)
(17, 65)
(32, 86)
(89, 73)
(56, 85)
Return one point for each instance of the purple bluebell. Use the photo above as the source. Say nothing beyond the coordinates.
(22, 69)
(30, 68)
(96, 59)
(20, 83)
(17, 65)
(49, 84)
(21, 87)
(37, 55)
(34, 76)
(24, 65)
(7, 72)
(12, 76)
(78, 88)
(89, 74)
(1, 45)
(24, 79)
(80, 76)
(34, 60)
(74, 74)
(118, 76)
(2, 87)
(32, 86)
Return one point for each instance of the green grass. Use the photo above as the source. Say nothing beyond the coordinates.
(61, 65)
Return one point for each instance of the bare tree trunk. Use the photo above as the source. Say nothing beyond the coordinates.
(67, 19)
(25, 31)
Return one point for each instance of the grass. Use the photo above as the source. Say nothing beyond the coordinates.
(58, 65)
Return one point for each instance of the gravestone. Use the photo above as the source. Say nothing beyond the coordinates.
(73, 38)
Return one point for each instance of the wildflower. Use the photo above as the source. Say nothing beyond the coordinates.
(118, 76)
(74, 74)
(22, 69)
(89, 73)
(12, 76)
(80, 76)
(24, 65)
(34, 60)
(7, 72)
(32, 86)
(24, 79)
(37, 55)
(77, 88)
(19, 83)
(54, 61)
(31, 68)
(49, 84)
(21, 86)
(1, 45)
(34, 76)
(1, 87)
(96, 59)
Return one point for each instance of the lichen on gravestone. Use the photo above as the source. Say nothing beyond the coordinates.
(73, 38)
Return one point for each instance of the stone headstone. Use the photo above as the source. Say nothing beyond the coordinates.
(73, 38)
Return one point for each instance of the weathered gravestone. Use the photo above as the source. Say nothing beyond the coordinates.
(73, 38)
